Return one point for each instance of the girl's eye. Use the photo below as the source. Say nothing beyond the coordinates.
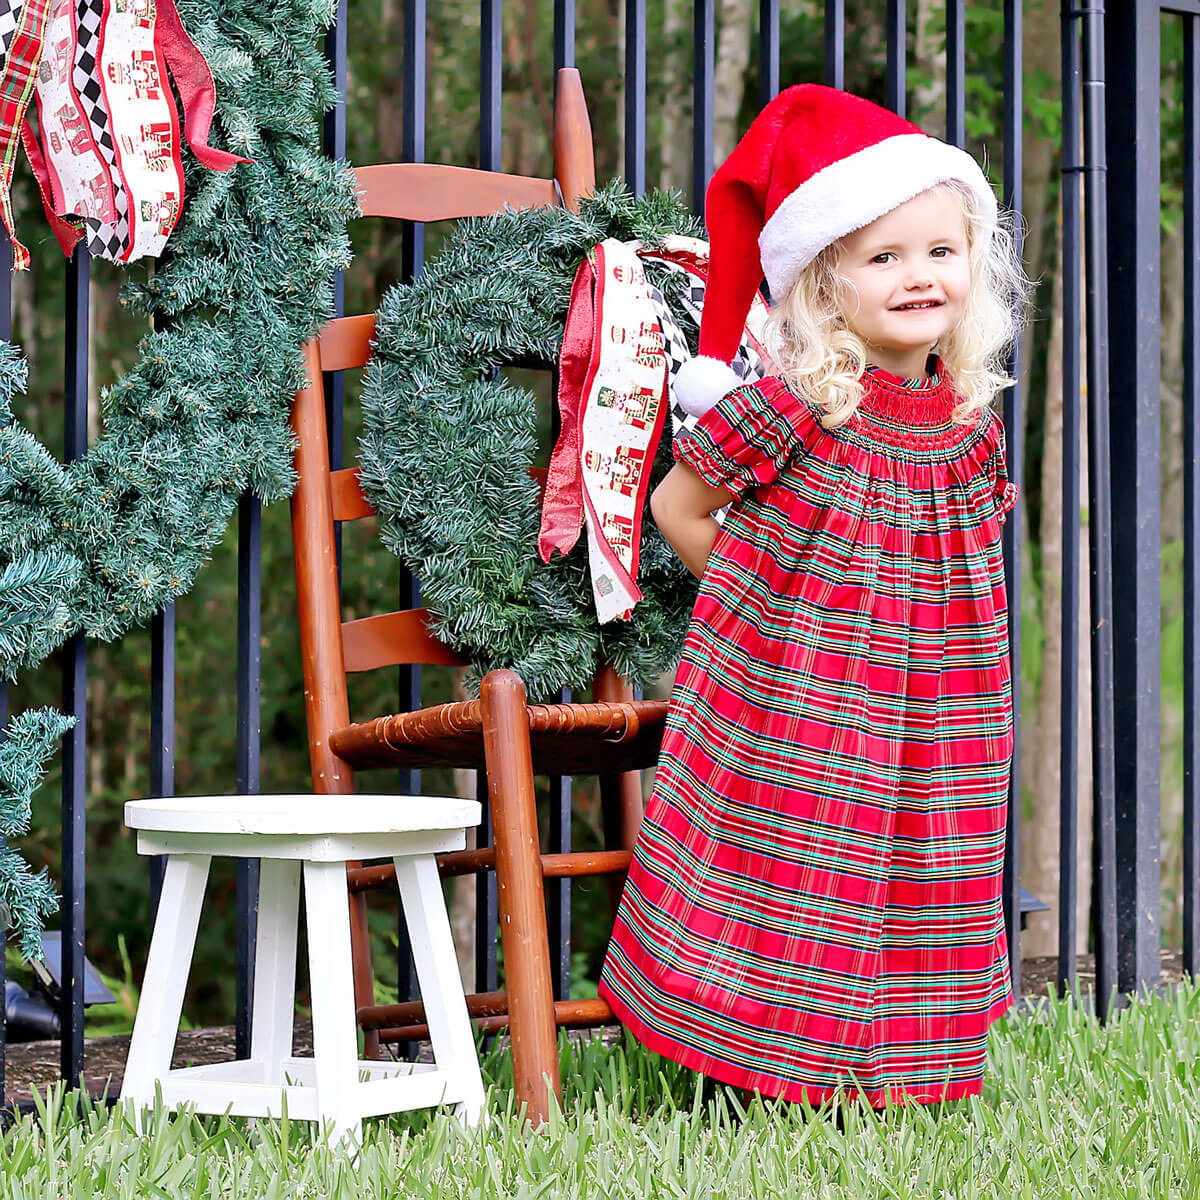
(880, 258)
(941, 251)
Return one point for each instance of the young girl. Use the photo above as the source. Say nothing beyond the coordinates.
(814, 905)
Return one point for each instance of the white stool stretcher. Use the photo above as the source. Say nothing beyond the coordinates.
(318, 834)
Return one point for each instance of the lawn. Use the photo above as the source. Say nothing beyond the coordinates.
(1069, 1109)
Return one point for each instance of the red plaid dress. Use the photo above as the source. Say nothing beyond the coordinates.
(814, 904)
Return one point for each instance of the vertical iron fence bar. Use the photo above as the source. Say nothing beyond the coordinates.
(558, 899)
(490, 158)
(413, 130)
(558, 907)
(162, 727)
(1132, 78)
(635, 95)
(956, 72)
(248, 773)
(897, 47)
(334, 141)
(1014, 423)
(1100, 499)
(5, 335)
(703, 44)
(1068, 826)
(487, 915)
(162, 714)
(768, 51)
(1191, 495)
(490, 34)
(564, 33)
(413, 233)
(74, 783)
(835, 43)
(413, 256)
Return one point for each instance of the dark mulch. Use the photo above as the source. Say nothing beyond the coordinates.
(36, 1064)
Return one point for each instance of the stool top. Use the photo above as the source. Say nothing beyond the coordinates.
(304, 815)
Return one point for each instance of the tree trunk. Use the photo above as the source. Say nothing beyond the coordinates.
(1171, 391)
(929, 52)
(1042, 773)
(1040, 154)
(676, 139)
(462, 895)
(1042, 593)
(1171, 343)
(729, 73)
(1042, 766)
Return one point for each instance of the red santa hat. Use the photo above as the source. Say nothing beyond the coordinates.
(816, 164)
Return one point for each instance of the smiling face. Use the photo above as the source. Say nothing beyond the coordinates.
(910, 277)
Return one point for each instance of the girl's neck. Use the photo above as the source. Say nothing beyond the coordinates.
(907, 364)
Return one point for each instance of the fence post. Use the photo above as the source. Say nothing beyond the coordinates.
(1132, 140)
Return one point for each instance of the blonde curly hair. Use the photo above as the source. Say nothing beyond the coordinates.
(823, 360)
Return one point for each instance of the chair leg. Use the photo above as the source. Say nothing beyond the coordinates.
(274, 1006)
(335, 1035)
(522, 902)
(364, 973)
(161, 1003)
(620, 795)
(441, 983)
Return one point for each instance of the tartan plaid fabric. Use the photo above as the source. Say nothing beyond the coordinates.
(16, 88)
(814, 904)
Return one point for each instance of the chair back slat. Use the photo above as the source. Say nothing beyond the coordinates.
(394, 639)
(349, 503)
(331, 648)
(346, 342)
(432, 192)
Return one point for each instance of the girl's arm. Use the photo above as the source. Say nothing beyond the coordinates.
(683, 505)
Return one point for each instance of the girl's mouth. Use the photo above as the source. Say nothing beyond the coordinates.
(917, 305)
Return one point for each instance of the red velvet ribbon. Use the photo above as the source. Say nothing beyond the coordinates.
(562, 505)
(68, 233)
(195, 83)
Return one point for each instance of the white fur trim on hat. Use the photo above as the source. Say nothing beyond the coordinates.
(701, 382)
(856, 190)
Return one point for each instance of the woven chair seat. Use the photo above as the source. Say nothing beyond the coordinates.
(565, 739)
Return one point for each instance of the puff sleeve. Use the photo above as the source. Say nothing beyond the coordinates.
(746, 439)
(1003, 490)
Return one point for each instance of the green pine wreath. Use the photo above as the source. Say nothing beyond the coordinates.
(447, 444)
(101, 545)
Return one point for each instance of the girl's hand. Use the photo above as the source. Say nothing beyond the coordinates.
(683, 505)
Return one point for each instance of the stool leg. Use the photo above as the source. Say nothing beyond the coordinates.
(161, 1003)
(274, 1005)
(331, 980)
(432, 944)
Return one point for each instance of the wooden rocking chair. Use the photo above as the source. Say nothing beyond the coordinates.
(510, 739)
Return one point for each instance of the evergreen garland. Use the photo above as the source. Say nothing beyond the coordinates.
(447, 444)
(102, 545)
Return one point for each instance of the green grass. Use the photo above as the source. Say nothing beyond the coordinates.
(1069, 1109)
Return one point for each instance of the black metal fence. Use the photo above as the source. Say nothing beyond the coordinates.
(1110, 107)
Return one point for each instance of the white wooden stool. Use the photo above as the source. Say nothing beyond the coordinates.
(333, 1087)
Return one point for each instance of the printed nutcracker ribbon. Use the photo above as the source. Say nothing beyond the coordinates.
(108, 159)
(620, 352)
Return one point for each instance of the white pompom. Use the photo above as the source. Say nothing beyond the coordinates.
(701, 382)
